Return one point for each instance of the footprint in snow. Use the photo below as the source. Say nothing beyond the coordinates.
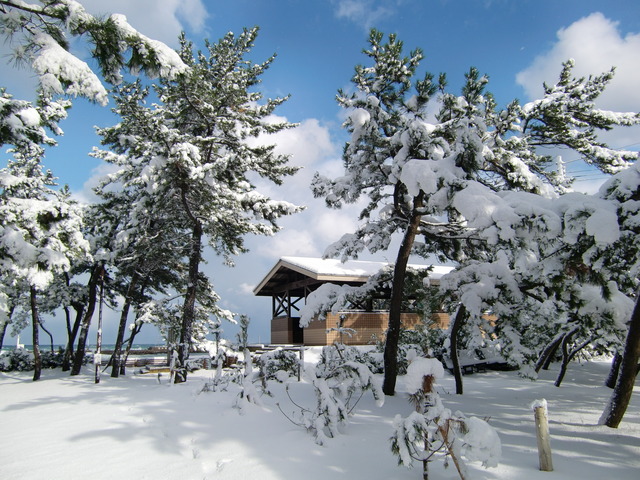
(221, 463)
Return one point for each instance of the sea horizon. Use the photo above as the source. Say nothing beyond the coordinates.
(89, 348)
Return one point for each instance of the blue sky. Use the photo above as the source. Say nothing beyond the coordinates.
(517, 43)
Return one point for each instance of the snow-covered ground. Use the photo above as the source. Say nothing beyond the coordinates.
(136, 427)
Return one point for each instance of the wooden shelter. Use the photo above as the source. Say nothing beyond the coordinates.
(292, 279)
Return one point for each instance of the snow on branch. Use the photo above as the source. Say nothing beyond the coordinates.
(61, 72)
(40, 33)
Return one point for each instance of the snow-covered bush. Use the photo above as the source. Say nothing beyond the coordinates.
(278, 364)
(18, 360)
(222, 378)
(21, 360)
(333, 356)
(226, 361)
(433, 430)
(426, 341)
(338, 383)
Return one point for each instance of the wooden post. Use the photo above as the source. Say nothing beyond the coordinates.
(542, 435)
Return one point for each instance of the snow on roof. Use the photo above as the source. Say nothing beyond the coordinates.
(335, 270)
(353, 268)
(334, 267)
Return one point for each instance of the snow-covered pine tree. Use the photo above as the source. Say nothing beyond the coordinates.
(433, 428)
(189, 156)
(437, 179)
(40, 232)
(73, 300)
(22, 123)
(6, 312)
(540, 272)
(624, 191)
(142, 251)
(10, 297)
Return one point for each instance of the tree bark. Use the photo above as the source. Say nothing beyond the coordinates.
(547, 354)
(49, 335)
(68, 351)
(458, 322)
(565, 355)
(615, 369)
(98, 271)
(188, 311)
(35, 319)
(134, 332)
(569, 357)
(395, 307)
(615, 410)
(117, 350)
(3, 329)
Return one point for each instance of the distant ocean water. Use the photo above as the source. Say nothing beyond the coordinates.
(90, 347)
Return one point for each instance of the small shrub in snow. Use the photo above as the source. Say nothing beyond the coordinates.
(278, 364)
(21, 360)
(335, 355)
(433, 430)
(18, 360)
(426, 341)
(338, 383)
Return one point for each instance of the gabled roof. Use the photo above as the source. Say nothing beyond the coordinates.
(291, 273)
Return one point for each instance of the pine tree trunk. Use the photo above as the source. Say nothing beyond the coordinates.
(35, 320)
(49, 335)
(3, 331)
(395, 307)
(98, 271)
(612, 416)
(612, 378)
(458, 322)
(547, 354)
(117, 350)
(565, 355)
(67, 320)
(134, 332)
(549, 360)
(188, 311)
(425, 470)
(68, 351)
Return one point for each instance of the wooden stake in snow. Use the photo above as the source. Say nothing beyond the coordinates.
(542, 435)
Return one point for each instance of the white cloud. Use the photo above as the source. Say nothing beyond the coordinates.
(308, 233)
(364, 13)
(309, 146)
(292, 240)
(596, 44)
(246, 288)
(87, 195)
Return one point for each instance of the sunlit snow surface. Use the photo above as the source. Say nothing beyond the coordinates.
(138, 427)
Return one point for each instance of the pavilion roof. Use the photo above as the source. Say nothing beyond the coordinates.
(294, 273)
